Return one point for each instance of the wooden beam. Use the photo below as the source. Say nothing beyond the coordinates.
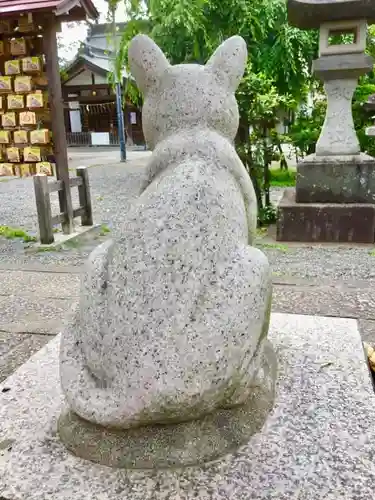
(79, 212)
(58, 123)
(91, 99)
(84, 197)
(43, 206)
(57, 219)
(76, 88)
(72, 76)
(55, 186)
(80, 65)
(76, 181)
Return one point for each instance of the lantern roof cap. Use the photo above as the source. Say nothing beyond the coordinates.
(310, 14)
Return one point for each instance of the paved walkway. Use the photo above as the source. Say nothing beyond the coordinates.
(37, 290)
(34, 304)
(35, 301)
(101, 156)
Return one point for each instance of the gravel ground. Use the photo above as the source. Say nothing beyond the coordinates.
(113, 188)
(319, 262)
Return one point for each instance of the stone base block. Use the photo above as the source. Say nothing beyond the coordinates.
(323, 222)
(336, 179)
(318, 441)
(173, 445)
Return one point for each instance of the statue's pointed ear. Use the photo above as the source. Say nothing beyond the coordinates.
(147, 62)
(228, 62)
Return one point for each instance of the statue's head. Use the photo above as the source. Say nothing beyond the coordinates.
(187, 95)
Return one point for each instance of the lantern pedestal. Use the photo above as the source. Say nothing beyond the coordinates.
(334, 199)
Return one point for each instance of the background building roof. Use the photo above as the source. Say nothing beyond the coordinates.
(97, 49)
(60, 7)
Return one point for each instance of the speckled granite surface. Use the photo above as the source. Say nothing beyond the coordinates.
(173, 314)
(319, 441)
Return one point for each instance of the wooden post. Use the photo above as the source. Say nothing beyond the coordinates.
(85, 120)
(57, 119)
(85, 196)
(43, 205)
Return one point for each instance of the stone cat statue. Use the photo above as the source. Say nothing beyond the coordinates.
(173, 315)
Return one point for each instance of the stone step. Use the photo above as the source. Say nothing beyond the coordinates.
(316, 443)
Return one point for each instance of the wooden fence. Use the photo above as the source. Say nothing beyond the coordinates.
(83, 139)
(78, 139)
(43, 188)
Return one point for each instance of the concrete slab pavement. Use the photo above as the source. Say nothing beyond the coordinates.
(36, 300)
(16, 349)
(318, 441)
(34, 303)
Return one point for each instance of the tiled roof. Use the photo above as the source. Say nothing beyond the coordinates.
(97, 51)
(102, 63)
(59, 6)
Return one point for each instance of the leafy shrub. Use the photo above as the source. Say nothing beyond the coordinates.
(282, 178)
(267, 215)
(305, 131)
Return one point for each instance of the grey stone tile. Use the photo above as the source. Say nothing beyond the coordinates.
(37, 267)
(367, 330)
(39, 315)
(10, 340)
(43, 285)
(20, 352)
(324, 301)
(317, 443)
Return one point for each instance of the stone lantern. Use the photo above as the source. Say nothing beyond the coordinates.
(334, 199)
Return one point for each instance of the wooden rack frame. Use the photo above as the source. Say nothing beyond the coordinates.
(48, 14)
(43, 188)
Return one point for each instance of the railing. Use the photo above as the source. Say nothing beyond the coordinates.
(114, 139)
(43, 188)
(83, 139)
(78, 138)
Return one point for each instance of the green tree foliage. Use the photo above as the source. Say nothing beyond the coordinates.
(257, 148)
(189, 30)
(278, 74)
(363, 117)
(65, 44)
(371, 41)
(305, 131)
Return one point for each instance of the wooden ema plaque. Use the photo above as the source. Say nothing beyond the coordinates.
(25, 123)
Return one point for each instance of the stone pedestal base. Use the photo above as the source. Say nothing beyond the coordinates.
(323, 222)
(316, 444)
(179, 444)
(336, 179)
(172, 445)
